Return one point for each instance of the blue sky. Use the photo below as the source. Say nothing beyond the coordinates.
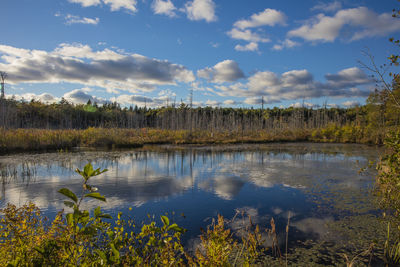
(230, 52)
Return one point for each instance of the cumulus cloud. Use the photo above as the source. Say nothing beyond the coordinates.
(165, 97)
(201, 10)
(76, 96)
(247, 35)
(304, 104)
(44, 98)
(249, 47)
(285, 44)
(241, 31)
(253, 101)
(115, 5)
(72, 19)
(361, 23)
(296, 84)
(212, 103)
(351, 103)
(76, 63)
(224, 71)
(137, 100)
(161, 7)
(230, 102)
(331, 7)
(347, 78)
(268, 17)
(121, 4)
(82, 96)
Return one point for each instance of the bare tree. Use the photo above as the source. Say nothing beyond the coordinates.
(3, 77)
(378, 73)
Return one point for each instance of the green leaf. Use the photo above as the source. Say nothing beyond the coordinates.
(97, 212)
(96, 196)
(165, 220)
(176, 228)
(88, 170)
(70, 219)
(68, 193)
(69, 204)
(114, 251)
(105, 216)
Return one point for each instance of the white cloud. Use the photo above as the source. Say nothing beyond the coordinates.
(247, 35)
(351, 103)
(331, 7)
(77, 50)
(166, 93)
(362, 23)
(81, 96)
(268, 17)
(137, 100)
(78, 63)
(44, 98)
(347, 78)
(164, 97)
(77, 96)
(224, 71)
(119, 4)
(285, 44)
(296, 84)
(249, 47)
(241, 31)
(303, 104)
(230, 102)
(333, 105)
(201, 10)
(161, 7)
(115, 5)
(72, 19)
(212, 103)
(86, 3)
(253, 101)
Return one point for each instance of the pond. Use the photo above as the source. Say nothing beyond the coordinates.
(319, 185)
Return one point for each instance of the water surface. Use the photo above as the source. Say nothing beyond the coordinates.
(317, 183)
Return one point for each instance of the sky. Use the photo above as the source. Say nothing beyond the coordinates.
(229, 53)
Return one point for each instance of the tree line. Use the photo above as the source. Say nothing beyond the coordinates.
(65, 115)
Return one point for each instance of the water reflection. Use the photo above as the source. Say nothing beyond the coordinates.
(265, 180)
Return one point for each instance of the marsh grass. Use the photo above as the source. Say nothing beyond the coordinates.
(16, 140)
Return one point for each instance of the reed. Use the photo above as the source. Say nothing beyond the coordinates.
(16, 140)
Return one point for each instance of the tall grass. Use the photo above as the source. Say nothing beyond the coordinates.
(14, 140)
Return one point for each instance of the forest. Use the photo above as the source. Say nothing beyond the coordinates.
(114, 125)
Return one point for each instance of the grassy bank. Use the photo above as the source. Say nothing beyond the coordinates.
(18, 140)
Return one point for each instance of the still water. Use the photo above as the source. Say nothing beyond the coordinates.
(317, 183)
